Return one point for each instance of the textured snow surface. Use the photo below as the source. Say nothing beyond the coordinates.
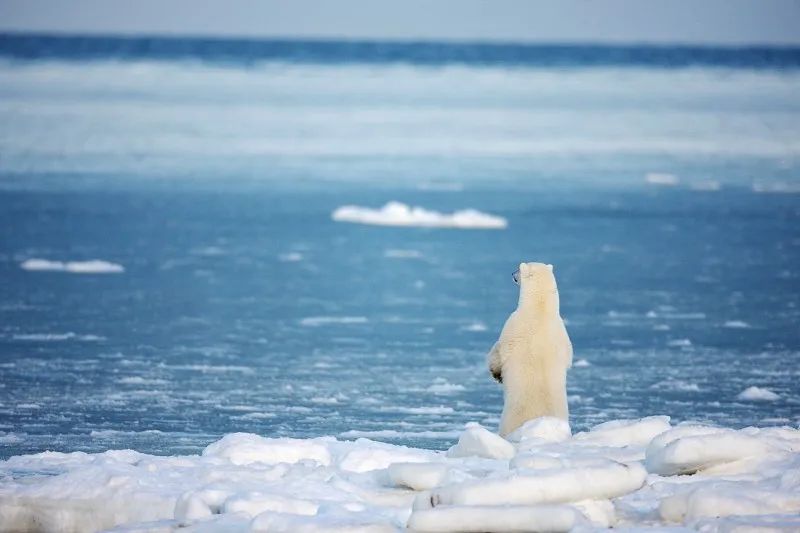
(400, 214)
(622, 474)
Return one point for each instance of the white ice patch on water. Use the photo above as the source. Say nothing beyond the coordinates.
(476, 327)
(54, 337)
(625, 474)
(290, 257)
(400, 214)
(661, 178)
(95, 266)
(757, 394)
(442, 386)
(402, 254)
(736, 324)
(581, 363)
(314, 321)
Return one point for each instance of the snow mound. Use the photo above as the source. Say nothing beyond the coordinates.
(95, 266)
(689, 449)
(729, 480)
(543, 429)
(246, 448)
(626, 432)
(480, 442)
(757, 394)
(400, 214)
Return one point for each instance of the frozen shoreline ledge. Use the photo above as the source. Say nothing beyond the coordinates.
(625, 473)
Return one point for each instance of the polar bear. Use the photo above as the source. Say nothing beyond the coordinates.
(533, 353)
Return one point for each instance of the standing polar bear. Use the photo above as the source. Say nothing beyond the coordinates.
(533, 353)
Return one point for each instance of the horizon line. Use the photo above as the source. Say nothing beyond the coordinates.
(409, 41)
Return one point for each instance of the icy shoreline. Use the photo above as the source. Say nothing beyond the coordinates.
(625, 473)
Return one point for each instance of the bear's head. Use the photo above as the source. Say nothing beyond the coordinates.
(537, 283)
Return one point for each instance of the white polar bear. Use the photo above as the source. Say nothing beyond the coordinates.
(534, 352)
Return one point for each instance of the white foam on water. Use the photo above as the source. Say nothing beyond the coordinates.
(95, 266)
(400, 214)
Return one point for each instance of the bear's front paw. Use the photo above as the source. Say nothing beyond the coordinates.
(497, 375)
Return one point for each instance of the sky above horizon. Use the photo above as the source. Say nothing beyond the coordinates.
(724, 22)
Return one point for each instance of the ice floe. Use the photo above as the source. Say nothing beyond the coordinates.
(661, 178)
(400, 214)
(95, 266)
(757, 394)
(624, 474)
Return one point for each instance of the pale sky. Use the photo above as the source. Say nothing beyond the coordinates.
(728, 22)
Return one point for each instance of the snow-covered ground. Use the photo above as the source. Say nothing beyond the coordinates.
(623, 474)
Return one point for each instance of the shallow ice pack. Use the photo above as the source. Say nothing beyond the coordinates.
(545, 479)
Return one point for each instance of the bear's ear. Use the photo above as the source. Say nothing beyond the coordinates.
(549, 267)
(523, 268)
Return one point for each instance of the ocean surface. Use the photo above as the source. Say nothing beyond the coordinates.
(662, 183)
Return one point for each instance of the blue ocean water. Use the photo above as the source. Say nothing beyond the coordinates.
(662, 183)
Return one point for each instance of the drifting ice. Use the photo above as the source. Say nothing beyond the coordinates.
(620, 474)
(399, 214)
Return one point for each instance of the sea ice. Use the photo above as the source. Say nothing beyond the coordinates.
(757, 394)
(400, 214)
(696, 476)
(95, 266)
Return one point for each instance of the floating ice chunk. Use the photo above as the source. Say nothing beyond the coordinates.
(610, 480)
(290, 257)
(247, 448)
(476, 326)
(676, 385)
(736, 324)
(50, 337)
(637, 432)
(477, 441)
(417, 476)
(705, 185)
(776, 187)
(581, 363)
(688, 449)
(402, 254)
(661, 178)
(442, 386)
(679, 343)
(95, 266)
(757, 394)
(400, 214)
(313, 321)
(544, 429)
(479, 518)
